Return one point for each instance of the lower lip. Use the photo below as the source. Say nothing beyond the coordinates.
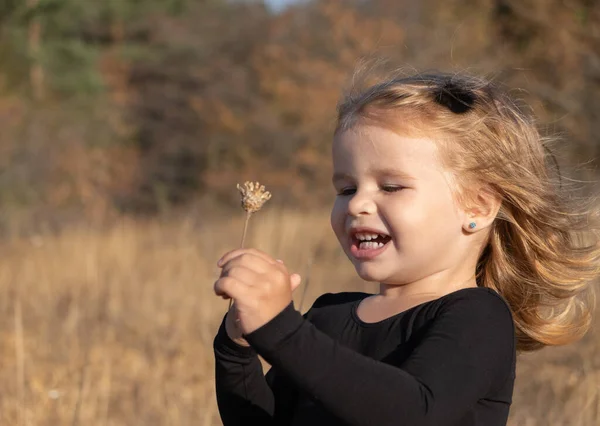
(367, 254)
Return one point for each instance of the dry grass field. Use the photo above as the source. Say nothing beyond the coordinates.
(111, 327)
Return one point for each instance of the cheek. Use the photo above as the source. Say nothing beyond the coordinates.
(418, 219)
(338, 217)
(440, 219)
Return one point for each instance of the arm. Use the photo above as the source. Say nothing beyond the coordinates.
(465, 352)
(243, 392)
(241, 388)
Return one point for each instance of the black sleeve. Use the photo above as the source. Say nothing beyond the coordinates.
(241, 389)
(243, 392)
(465, 353)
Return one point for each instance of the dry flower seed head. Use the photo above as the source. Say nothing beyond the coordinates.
(253, 196)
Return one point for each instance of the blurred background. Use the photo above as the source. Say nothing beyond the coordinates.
(126, 125)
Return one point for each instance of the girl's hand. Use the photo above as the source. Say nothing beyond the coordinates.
(232, 327)
(261, 286)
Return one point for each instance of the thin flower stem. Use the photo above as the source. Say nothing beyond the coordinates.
(248, 214)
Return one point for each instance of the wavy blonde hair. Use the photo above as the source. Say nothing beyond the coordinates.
(543, 249)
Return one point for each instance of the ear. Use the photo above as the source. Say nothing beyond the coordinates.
(482, 209)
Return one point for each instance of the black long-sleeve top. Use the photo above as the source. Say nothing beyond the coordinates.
(446, 362)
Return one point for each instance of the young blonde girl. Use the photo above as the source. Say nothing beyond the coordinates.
(447, 195)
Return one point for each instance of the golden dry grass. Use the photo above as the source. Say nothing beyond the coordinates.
(114, 327)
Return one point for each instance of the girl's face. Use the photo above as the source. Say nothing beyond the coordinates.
(393, 191)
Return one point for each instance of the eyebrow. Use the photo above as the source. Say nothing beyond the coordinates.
(378, 172)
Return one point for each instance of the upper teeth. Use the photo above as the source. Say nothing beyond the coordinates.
(366, 237)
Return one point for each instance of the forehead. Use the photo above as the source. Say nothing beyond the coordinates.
(378, 147)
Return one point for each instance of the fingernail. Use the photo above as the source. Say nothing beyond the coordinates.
(279, 260)
(219, 262)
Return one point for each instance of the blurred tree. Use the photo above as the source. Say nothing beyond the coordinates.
(558, 43)
(67, 37)
(70, 54)
(252, 98)
(36, 73)
(135, 105)
(189, 105)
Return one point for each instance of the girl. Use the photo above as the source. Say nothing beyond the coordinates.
(445, 196)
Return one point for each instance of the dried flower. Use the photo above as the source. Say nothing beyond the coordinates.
(253, 196)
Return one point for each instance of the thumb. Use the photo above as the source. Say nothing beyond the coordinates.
(296, 280)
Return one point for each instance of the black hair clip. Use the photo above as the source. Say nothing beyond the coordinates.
(457, 99)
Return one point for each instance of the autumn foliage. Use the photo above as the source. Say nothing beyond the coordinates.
(141, 107)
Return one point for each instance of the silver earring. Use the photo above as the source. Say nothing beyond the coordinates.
(472, 225)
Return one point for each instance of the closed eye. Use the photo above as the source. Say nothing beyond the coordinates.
(391, 188)
(346, 191)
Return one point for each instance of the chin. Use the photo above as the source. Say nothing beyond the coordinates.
(369, 274)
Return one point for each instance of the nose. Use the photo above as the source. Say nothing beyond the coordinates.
(361, 204)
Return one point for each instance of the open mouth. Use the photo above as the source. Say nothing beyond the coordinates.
(368, 244)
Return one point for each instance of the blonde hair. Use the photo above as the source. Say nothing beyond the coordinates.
(543, 250)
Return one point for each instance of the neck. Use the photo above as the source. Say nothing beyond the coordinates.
(430, 287)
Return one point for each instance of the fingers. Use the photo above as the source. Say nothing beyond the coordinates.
(250, 261)
(233, 280)
(250, 251)
(241, 273)
(230, 288)
(246, 268)
(295, 280)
